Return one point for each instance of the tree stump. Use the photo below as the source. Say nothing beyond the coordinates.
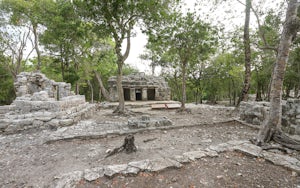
(128, 146)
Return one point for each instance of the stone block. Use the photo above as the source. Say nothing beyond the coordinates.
(144, 164)
(65, 122)
(69, 180)
(131, 170)
(93, 174)
(111, 170)
(249, 149)
(193, 155)
(161, 164)
(181, 158)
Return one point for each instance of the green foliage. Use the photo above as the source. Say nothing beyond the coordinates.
(223, 78)
(7, 93)
(180, 44)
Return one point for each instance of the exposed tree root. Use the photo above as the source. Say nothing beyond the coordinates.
(286, 141)
(124, 112)
(278, 147)
(280, 138)
(149, 140)
(182, 110)
(118, 111)
(128, 146)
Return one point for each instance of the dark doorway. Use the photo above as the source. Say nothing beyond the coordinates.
(151, 94)
(138, 94)
(126, 94)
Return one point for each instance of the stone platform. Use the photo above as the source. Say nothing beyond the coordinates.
(43, 104)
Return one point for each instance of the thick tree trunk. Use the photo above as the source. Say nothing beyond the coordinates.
(102, 88)
(245, 90)
(121, 107)
(272, 128)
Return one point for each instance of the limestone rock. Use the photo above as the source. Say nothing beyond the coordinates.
(93, 174)
(143, 122)
(111, 170)
(69, 180)
(42, 103)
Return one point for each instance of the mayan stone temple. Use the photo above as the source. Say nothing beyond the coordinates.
(140, 87)
(43, 103)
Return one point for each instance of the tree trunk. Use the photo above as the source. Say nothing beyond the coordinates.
(102, 88)
(92, 90)
(245, 90)
(121, 58)
(36, 46)
(121, 107)
(229, 92)
(77, 88)
(272, 128)
(183, 101)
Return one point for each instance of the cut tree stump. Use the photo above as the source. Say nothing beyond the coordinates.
(128, 146)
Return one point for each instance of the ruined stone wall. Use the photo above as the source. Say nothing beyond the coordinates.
(29, 83)
(256, 112)
(291, 116)
(42, 103)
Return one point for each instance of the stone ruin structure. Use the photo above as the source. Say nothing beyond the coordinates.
(43, 103)
(256, 112)
(140, 87)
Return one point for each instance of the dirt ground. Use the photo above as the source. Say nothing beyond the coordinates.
(26, 160)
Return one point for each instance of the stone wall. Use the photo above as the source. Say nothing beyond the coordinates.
(29, 83)
(291, 116)
(139, 86)
(42, 104)
(256, 112)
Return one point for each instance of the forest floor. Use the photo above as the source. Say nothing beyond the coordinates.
(29, 160)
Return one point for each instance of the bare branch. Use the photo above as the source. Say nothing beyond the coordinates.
(241, 2)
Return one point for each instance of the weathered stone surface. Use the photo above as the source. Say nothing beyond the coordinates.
(161, 164)
(255, 113)
(111, 170)
(69, 180)
(144, 164)
(139, 86)
(283, 160)
(193, 155)
(42, 103)
(250, 149)
(220, 147)
(131, 170)
(181, 158)
(143, 122)
(93, 174)
(211, 153)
